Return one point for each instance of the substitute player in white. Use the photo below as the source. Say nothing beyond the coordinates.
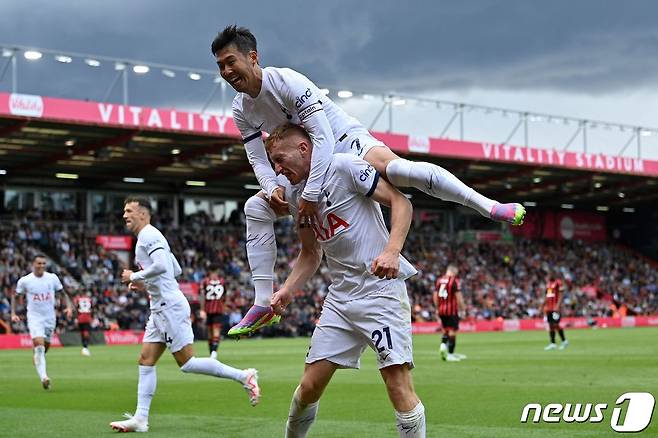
(40, 288)
(367, 302)
(268, 97)
(169, 323)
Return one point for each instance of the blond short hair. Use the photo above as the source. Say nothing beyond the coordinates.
(284, 131)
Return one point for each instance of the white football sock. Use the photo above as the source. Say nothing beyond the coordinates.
(213, 367)
(300, 417)
(261, 247)
(40, 361)
(148, 380)
(411, 424)
(437, 182)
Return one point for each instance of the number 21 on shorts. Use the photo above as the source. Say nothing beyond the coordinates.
(377, 336)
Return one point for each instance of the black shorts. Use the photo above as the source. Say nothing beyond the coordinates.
(214, 318)
(84, 326)
(450, 321)
(553, 317)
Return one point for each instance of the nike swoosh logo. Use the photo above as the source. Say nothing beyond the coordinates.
(260, 126)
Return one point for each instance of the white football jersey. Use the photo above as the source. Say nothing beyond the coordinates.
(40, 293)
(163, 289)
(288, 96)
(353, 232)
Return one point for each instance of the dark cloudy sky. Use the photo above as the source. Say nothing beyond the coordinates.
(593, 58)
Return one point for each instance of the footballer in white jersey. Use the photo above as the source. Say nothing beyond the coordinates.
(288, 96)
(367, 304)
(352, 231)
(40, 289)
(162, 286)
(169, 323)
(270, 96)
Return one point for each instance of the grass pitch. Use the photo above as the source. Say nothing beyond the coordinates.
(482, 396)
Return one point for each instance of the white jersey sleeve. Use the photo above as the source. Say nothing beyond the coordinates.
(256, 154)
(363, 177)
(298, 92)
(20, 286)
(57, 284)
(159, 266)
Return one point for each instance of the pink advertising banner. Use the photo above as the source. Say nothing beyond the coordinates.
(123, 337)
(23, 341)
(532, 156)
(190, 290)
(561, 225)
(115, 242)
(169, 119)
(115, 115)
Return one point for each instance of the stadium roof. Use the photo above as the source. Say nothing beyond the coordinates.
(110, 147)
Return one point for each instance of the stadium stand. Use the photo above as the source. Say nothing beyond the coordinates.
(500, 279)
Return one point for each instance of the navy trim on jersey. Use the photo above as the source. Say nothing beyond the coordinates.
(252, 137)
(155, 249)
(374, 185)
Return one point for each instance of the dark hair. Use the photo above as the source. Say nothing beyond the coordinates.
(39, 256)
(213, 268)
(140, 200)
(283, 131)
(241, 37)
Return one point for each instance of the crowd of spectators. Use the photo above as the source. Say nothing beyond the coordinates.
(499, 279)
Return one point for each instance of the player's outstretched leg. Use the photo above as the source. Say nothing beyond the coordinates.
(440, 183)
(261, 253)
(212, 367)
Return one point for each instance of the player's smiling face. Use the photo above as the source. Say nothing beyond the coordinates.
(39, 266)
(239, 69)
(291, 158)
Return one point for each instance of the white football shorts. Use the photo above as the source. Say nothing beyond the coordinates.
(357, 144)
(381, 321)
(40, 326)
(171, 326)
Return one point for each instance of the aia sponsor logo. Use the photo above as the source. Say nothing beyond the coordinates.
(335, 224)
(634, 416)
(42, 297)
(26, 105)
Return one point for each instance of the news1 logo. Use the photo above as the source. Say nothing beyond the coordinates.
(638, 412)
